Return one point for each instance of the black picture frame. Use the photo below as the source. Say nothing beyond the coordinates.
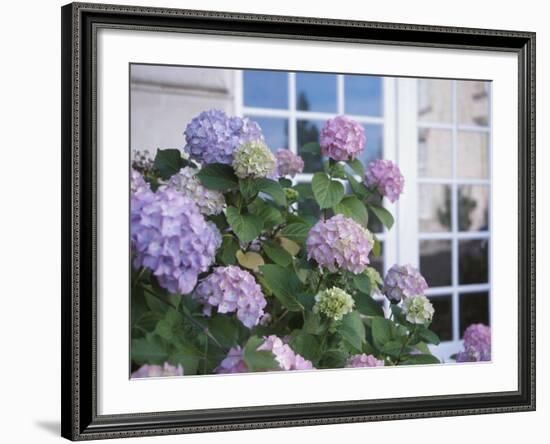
(80, 22)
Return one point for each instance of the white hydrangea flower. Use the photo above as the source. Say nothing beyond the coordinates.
(253, 159)
(334, 303)
(418, 309)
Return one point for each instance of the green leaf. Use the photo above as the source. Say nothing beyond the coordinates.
(429, 336)
(284, 284)
(258, 360)
(148, 350)
(338, 170)
(168, 162)
(289, 246)
(359, 189)
(228, 249)
(362, 283)
(246, 226)
(395, 348)
(295, 232)
(382, 215)
(357, 167)
(311, 148)
(305, 191)
(250, 260)
(272, 188)
(352, 330)
(248, 188)
(225, 329)
(377, 247)
(422, 359)
(313, 323)
(284, 182)
(277, 253)
(352, 207)
(306, 345)
(382, 331)
(218, 176)
(328, 193)
(367, 306)
(269, 215)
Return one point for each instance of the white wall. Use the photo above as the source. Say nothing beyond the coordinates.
(30, 232)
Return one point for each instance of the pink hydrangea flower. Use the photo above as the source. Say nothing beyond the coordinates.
(403, 282)
(342, 138)
(340, 242)
(157, 371)
(232, 289)
(386, 177)
(288, 163)
(363, 360)
(477, 344)
(286, 358)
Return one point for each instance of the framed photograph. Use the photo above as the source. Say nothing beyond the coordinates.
(278, 221)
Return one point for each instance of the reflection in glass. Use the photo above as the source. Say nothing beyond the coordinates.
(316, 92)
(473, 102)
(275, 131)
(373, 147)
(434, 208)
(474, 308)
(265, 89)
(435, 153)
(473, 208)
(473, 155)
(435, 262)
(363, 95)
(442, 323)
(308, 131)
(435, 100)
(473, 266)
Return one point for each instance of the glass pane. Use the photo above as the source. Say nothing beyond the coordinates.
(473, 264)
(363, 95)
(435, 153)
(275, 131)
(473, 155)
(316, 92)
(473, 102)
(374, 146)
(308, 131)
(435, 262)
(442, 323)
(473, 208)
(434, 208)
(474, 309)
(377, 262)
(265, 89)
(435, 101)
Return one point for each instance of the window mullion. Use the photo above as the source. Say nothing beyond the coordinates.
(292, 126)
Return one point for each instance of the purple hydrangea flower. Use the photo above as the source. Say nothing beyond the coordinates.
(477, 344)
(342, 138)
(288, 163)
(232, 289)
(170, 237)
(212, 136)
(340, 242)
(209, 201)
(403, 282)
(363, 360)
(286, 358)
(157, 371)
(386, 177)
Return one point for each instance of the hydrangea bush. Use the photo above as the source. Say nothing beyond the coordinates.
(230, 275)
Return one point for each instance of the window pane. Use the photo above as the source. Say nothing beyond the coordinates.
(316, 92)
(377, 262)
(442, 323)
(374, 146)
(435, 101)
(473, 155)
(308, 131)
(435, 153)
(474, 309)
(473, 102)
(363, 95)
(435, 262)
(473, 208)
(473, 261)
(434, 208)
(265, 89)
(275, 131)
